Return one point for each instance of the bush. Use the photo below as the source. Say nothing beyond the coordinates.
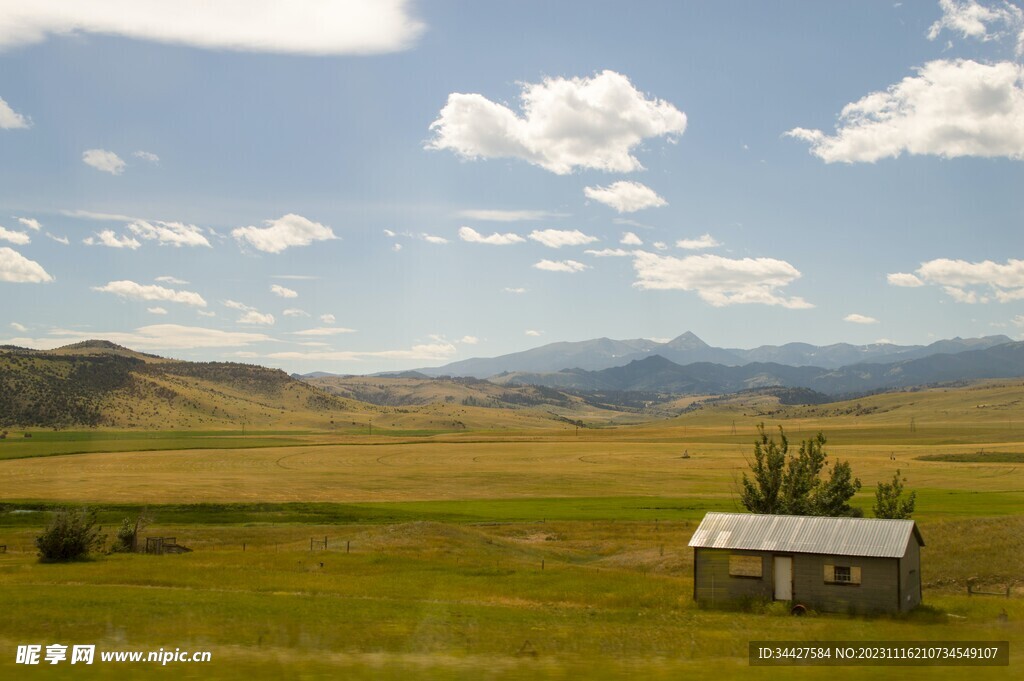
(71, 535)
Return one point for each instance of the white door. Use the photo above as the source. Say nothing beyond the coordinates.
(783, 571)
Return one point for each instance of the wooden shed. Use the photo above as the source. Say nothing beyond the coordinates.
(854, 565)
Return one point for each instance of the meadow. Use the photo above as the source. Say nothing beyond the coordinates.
(491, 553)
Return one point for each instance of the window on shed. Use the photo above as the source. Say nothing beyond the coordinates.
(842, 574)
(745, 566)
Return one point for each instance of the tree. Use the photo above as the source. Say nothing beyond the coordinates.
(127, 540)
(889, 501)
(761, 495)
(792, 484)
(71, 535)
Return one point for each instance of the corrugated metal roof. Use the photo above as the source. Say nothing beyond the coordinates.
(806, 534)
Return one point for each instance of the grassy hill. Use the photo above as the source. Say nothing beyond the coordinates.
(101, 384)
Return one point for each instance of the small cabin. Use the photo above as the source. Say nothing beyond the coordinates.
(849, 565)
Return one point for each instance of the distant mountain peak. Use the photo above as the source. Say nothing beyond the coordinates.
(688, 340)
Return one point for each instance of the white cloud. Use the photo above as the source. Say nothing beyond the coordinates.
(509, 215)
(31, 223)
(533, 333)
(971, 19)
(717, 280)
(294, 277)
(434, 239)
(324, 331)
(474, 237)
(1016, 321)
(969, 282)
(630, 239)
(110, 240)
(297, 27)
(425, 351)
(295, 312)
(289, 230)
(255, 317)
(516, 290)
(904, 279)
(556, 238)
(283, 292)
(950, 109)
(104, 160)
(560, 266)
(389, 233)
(94, 215)
(16, 268)
(327, 318)
(19, 327)
(9, 118)
(17, 238)
(164, 337)
(396, 247)
(660, 245)
(206, 313)
(146, 156)
(133, 291)
(166, 279)
(704, 241)
(566, 124)
(156, 310)
(169, 233)
(250, 315)
(608, 252)
(625, 197)
(859, 319)
(469, 340)
(59, 239)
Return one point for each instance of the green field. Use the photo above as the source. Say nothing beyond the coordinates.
(487, 554)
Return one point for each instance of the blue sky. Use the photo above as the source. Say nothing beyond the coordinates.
(356, 187)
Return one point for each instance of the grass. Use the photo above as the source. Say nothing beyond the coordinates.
(504, 551)
(439, 600)
(977, 457)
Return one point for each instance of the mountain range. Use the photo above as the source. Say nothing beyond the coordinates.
(605, 353)
(658, 374)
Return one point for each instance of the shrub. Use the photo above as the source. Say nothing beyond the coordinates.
(71, 535)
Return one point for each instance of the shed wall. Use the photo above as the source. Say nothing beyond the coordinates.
(910, 577)
(877, 592)
(712, 583)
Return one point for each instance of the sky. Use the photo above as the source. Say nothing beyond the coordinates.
(359, 186)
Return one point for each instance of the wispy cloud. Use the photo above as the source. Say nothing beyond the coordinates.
(569, 266)
(701, 242)
(492, 215)
(625, 197)
(474, 237)
(556, 238)
(111, 240)
(297, 27)
(106, 161)
(283, 292)
(131, 290)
